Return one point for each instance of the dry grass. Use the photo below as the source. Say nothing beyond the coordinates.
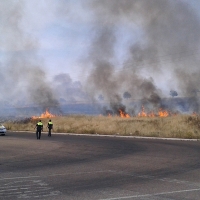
(181, 126)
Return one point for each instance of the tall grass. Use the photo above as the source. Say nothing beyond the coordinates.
(180, 126)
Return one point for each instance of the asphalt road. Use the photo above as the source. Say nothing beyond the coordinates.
(92, 167)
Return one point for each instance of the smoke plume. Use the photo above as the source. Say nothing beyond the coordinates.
(21, 71)
(168, 47)
(144, 48)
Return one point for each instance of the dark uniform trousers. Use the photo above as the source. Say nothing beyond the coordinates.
(50, 126)
(38, 133)
(49, 134)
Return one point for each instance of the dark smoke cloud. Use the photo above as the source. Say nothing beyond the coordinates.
(21, 71)
(159, 40)
(169, 43)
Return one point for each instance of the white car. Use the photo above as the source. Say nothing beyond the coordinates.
(2, 129)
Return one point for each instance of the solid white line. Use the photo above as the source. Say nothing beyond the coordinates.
(150, 195)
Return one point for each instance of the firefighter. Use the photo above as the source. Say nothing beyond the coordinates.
(39, 128)
(50, 127)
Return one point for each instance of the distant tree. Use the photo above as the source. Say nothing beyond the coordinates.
(126, 95)
(173, 93)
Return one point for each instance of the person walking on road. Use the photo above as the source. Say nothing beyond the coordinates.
(39, 128)
(50, 127)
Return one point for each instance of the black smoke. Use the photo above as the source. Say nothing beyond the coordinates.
(168, 47)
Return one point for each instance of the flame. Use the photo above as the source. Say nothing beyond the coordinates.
(151, 114)
(142, 113)
(46, 114)
(163, 113)
(123, 114)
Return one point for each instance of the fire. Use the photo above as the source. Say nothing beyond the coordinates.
(46, 114)
(142, 113)
(123, 114)
(161, 113)
(151, 114)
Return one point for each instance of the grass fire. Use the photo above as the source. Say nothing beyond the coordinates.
(160, 113)
(46, 114)
(174, 126)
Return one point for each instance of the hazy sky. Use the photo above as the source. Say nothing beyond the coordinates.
(62, 30)
(92, 39)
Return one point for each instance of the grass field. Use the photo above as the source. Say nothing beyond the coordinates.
(180, 126)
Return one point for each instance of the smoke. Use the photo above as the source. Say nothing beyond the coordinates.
(168, 48)
(21, 69)
(67, 90)
(145, 48)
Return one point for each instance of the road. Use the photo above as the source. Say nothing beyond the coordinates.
(78, 167)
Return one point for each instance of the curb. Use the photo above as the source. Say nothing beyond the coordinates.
(120, 136)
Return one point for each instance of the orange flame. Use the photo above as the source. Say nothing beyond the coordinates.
(123, 114)
(46, 114)
(142, 113)
(161, 113)
(151, 114)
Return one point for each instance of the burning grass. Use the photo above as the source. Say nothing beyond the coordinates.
(179, 126)
(46, 114)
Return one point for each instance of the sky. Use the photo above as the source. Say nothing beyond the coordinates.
(76, 50)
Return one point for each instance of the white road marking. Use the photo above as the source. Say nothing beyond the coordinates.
(150, 195)
(26, 187)
(30, 186)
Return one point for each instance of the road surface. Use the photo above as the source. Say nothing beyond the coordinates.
(78, 167)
